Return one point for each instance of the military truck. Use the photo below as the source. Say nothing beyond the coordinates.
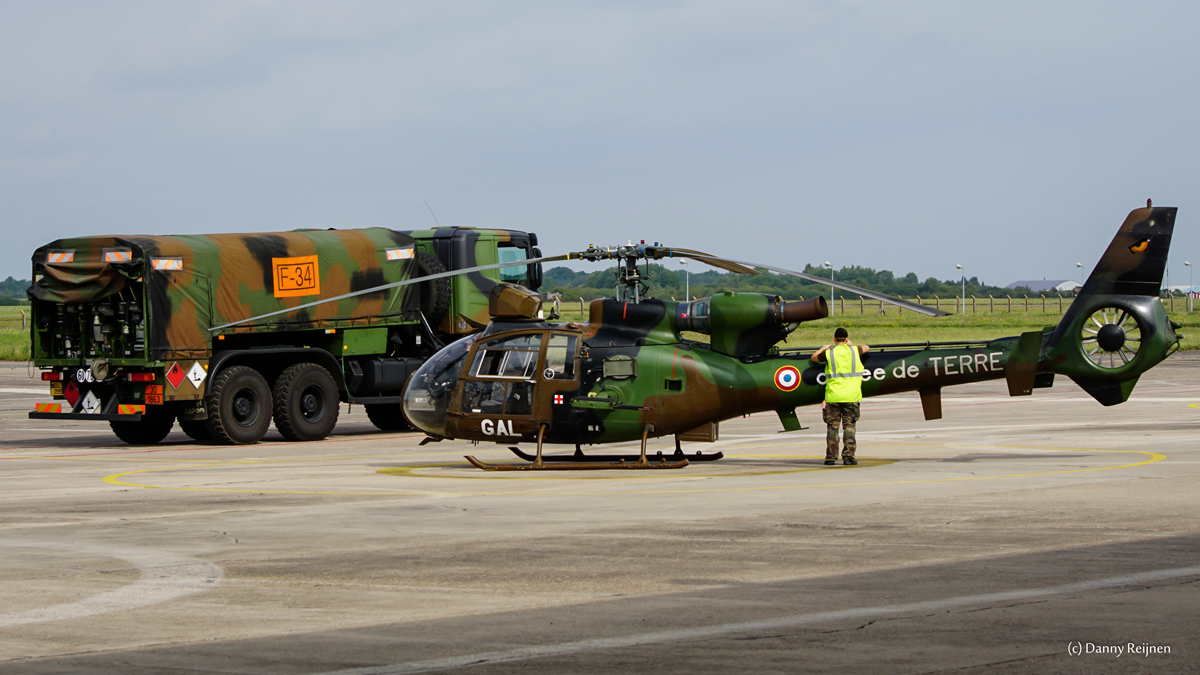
(143, 331)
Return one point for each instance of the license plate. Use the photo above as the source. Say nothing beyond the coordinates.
(154, 399)
(154, 389)
(56, 389)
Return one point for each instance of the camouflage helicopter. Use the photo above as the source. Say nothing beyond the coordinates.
(627, 373)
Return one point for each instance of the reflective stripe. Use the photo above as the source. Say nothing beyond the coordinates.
(854, 371)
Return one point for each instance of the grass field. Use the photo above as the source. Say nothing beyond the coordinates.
(14, 342)
(867, 328)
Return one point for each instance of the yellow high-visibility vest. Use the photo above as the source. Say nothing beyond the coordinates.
(843, 375)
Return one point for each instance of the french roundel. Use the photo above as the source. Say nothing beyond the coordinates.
(787, 378)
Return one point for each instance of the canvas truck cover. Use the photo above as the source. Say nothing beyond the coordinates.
(195, 282)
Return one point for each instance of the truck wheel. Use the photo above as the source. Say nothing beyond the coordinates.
(435, 295)
(388, 417)
(306, 402)
(150, 430)
(197, 430)
(239, 406)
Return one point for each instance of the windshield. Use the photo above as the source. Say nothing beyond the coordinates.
(428, 395)
(517, 274)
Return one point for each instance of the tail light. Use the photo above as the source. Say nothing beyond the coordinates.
(139, 377)
(55, 376)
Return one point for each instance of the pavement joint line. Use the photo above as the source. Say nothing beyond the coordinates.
(783, 622)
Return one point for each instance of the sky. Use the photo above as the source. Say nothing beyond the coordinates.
(1011, 138)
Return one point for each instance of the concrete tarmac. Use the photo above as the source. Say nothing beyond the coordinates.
(1035, 534)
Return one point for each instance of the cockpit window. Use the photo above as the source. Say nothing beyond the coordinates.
(497, 397)
(560, 357)
(514, 357)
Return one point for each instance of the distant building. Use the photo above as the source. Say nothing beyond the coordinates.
(1047, 285)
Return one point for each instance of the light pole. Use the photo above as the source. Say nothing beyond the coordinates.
(830, 266)
(964, 291)
(1191, 286)
(687, 281)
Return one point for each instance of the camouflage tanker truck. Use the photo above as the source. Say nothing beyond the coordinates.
(123, 327)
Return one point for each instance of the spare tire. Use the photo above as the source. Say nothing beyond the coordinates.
(435, 294)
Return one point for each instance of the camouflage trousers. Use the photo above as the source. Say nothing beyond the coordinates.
(843, 415)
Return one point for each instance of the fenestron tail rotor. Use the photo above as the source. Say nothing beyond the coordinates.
(1111, 337)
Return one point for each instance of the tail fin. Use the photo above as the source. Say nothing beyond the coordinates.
(1136, 258)
(1117, 329)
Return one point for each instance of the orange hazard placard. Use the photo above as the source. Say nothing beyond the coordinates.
(154, 399)
(296, 276)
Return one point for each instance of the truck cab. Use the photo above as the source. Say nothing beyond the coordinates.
(464, 247)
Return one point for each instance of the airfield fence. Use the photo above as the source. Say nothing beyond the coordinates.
(1025, 304)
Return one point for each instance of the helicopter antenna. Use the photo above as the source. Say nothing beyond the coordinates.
(435, 220)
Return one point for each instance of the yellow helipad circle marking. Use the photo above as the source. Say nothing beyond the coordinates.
(115, 479)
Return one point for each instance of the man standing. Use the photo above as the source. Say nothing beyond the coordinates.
(843, 392)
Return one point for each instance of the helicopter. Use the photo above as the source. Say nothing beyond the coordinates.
(628, 373)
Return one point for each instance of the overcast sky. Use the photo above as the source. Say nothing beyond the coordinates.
(905, 136)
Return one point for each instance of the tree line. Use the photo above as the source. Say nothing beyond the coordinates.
(12, 291)
(669, 283)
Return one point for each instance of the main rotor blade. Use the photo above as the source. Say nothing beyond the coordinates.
(710, 259)
(396, 284)
(882, 297)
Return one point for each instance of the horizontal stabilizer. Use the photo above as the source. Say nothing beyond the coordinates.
(1020, 369)
(931, 402)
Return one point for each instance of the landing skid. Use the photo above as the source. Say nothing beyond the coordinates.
(588, 463)
(559, 465)
(582, 458)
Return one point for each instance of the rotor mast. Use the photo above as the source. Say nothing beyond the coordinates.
(630, 281)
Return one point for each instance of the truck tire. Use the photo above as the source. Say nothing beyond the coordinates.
(306, 402)
(239, 406)
(197, 430)
(435, 295)
(150, 430)
(388, 417)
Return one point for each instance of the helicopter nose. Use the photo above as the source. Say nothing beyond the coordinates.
(430, 389)
(423, 416)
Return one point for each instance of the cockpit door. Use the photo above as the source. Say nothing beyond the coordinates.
(499, 389)
(559, 384)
